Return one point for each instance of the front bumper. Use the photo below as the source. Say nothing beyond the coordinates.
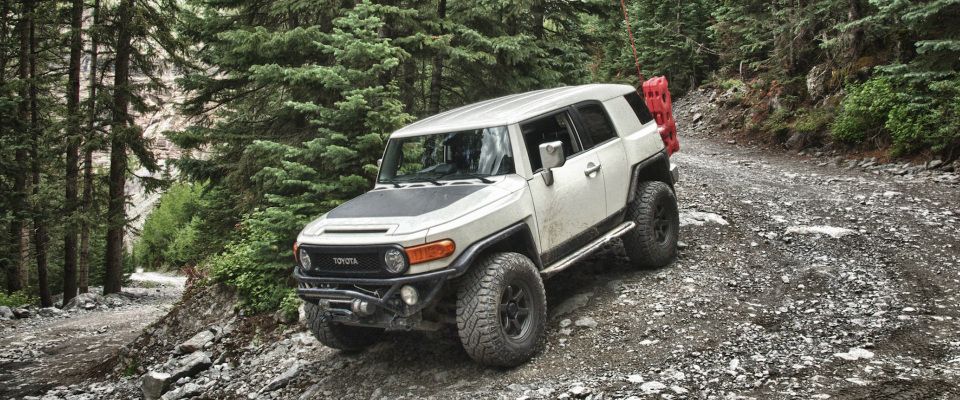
(337, 296)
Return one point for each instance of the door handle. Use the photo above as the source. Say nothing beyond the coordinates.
(591, 169)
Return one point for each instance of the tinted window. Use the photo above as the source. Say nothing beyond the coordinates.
(549, 129)
(639, 107)
(595, 123)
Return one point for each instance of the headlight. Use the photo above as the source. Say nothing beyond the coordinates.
(305, 259)
(394, 261)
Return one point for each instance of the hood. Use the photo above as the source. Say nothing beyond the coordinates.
(402, 211)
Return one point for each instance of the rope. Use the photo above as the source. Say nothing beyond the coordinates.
(626, 21)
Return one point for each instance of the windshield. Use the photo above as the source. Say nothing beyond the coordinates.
(456, 155)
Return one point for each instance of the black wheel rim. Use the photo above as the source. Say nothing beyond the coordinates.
(515, 318)
(661, 224)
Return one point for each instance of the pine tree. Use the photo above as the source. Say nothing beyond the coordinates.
(74, 119)
(90, 142)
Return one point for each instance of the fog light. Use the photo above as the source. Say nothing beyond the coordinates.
(305, 259)
(394, 261)
(409, 295)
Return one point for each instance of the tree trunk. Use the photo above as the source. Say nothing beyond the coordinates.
(83, 274)
(436, 81)
(73, 144)
(119, 130)
(39, 224)
(855, 13)
(538, 11)
(9, 266)
(21, 225)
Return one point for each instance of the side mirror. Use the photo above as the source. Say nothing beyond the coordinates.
(551, 156)
(379, 162)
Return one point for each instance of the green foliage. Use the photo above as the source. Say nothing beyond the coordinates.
(18, 299)
(251, 265)
(910, 114)
(169, 238)
(814, 120)
(864, 111)
(672, 39)
(777, 124)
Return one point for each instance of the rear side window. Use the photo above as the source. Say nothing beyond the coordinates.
(549, 129)
(639, 107)
(596, 123)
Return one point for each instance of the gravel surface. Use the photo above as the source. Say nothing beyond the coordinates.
(798, 277)
(58, 347)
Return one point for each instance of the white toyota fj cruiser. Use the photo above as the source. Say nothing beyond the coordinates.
(473, 207)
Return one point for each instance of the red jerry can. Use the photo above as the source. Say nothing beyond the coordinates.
(657, 96)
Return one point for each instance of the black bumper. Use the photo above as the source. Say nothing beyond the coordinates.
(380, 292)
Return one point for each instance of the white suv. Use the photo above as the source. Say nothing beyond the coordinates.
(473, 207)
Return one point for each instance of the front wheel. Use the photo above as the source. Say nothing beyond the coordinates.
(502, 310)
(653, 243)
(338, 336)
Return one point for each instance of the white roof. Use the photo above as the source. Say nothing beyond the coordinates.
(511, 109)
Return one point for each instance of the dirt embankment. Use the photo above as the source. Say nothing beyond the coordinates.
(798, 277)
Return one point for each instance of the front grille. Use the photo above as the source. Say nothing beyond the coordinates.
(365, 261)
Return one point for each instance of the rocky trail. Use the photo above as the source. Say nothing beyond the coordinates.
(800, 276)
(51, 347)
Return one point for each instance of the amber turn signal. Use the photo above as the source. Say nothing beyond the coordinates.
(430, 251)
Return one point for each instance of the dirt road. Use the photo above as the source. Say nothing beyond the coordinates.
(796, 279)
(54, 348)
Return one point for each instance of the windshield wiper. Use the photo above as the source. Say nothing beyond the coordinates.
(395, 184)
(470, 175)
(431, 180)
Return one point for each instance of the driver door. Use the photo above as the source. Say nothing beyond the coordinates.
(568, 210)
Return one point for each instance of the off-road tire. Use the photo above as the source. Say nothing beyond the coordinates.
(480, 323)
(653, 243)
(338, 336)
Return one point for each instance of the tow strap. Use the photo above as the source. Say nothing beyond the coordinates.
(656, 94)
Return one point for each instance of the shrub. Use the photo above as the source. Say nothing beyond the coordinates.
(18, 299)
(815, 120)
(912, 127)
(864, 111)
(187, 248)
(253, 265)
(777, 123)
(915, 114)
(164, 227)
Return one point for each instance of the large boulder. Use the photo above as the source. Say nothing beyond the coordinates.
(197, 342)
(6, 313)
(49, 312)
(183, 392)
(818, 81)
(84, 301)
(154, 384)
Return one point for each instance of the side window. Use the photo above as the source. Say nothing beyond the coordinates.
(549, 129)
(596, 123)
(639, 107)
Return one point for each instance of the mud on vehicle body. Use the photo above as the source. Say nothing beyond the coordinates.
(474, 207)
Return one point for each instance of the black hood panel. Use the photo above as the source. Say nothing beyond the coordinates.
(402, 202)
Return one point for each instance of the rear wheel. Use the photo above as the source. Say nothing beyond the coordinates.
(502, 310)
(338, 336)
(653, 243)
